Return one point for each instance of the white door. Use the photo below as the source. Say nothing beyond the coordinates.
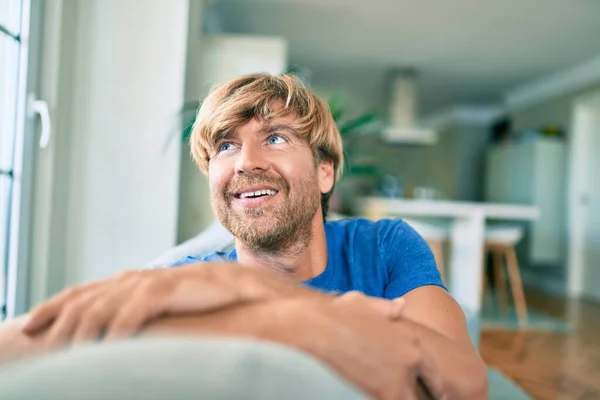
(584, 200)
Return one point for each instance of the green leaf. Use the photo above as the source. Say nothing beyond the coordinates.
(188, 113)
(355, 123)
(336, 106)
(187, 130)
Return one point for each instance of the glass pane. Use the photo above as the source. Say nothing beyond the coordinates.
(5, 183)
(9, 69)
(10, 15)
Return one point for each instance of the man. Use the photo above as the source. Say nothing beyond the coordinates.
(272, 154)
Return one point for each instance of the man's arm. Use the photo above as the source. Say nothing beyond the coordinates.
(440, 324)
(353, 334)
(16, 345)
(437, 320)
(120, 305)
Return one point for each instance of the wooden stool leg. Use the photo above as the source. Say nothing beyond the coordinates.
(499, 279)
(516, 284)
(438, 254)
(483, 272)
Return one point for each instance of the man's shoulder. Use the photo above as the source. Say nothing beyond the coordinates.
(361, 235)
(383, 229)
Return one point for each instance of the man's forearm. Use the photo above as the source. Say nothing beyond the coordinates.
(247, 320)
(14, 344)
(284, 322)
(463, 372)
(259, 320)
(243, 284)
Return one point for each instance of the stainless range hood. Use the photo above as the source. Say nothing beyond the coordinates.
(402, 127)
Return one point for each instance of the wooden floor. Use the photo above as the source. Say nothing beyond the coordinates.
(551, 365)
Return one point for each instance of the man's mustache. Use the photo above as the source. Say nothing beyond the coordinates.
(241, 181)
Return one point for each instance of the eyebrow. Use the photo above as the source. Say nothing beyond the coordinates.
(269, 128)
(223, 135)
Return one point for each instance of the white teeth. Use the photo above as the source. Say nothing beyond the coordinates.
(258, 193)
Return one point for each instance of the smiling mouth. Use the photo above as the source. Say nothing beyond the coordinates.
(256, 194)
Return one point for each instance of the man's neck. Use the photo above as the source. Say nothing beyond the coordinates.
(301, 261)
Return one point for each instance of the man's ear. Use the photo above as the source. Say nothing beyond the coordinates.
(326, 176)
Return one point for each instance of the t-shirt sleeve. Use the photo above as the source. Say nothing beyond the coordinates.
(409, 260)
(187, 260)
(215, 256)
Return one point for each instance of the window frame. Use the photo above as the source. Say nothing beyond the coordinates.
(20, 202)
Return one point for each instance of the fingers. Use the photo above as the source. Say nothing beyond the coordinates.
(41, 316)
(91, 324)
(65, 324)
(118, 311)
(129, 319)
(423, 392)
(120, 305)
(429, 382)
(44, 314)
(83, 313)
(93, 321)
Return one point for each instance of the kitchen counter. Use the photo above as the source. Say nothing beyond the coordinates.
(443, 208)
(467, 234)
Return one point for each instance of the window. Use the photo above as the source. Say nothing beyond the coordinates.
(12, 89)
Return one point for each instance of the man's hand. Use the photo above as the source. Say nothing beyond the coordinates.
(354, 334)
(119, 306)
(377, 351)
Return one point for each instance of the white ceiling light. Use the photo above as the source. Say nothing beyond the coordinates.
(402, 125)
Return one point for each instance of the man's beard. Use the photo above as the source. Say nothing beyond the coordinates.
(282, 227)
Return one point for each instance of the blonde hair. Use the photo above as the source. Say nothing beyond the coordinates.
(254, 96)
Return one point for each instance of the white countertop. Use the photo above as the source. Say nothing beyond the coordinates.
(448, 209)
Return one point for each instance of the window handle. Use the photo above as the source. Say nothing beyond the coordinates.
(40, 107)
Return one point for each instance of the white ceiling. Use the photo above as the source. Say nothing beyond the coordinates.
(467, 51)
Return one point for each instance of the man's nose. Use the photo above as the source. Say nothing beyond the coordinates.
(251, 159)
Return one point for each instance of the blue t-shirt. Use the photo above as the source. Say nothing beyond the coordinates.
(383, 259)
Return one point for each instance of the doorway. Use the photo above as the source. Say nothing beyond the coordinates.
(584, 200)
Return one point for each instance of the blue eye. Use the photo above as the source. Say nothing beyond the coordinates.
(225, 147)
(275, 139)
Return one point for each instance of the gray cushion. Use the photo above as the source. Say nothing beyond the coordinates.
(175, 368)
(213, 238)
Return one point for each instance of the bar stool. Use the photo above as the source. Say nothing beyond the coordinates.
(435, 236)
(500, 241)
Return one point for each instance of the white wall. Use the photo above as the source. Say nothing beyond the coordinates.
(215, 59)
(194, 208)
(557, 110)
(107, 190)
